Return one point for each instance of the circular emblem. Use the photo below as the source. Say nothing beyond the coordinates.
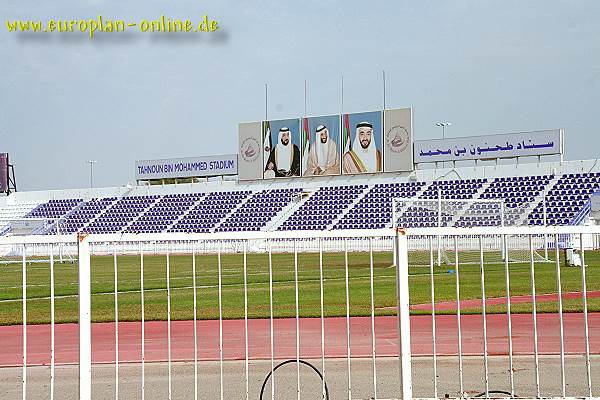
(397, 139)
(250, 149)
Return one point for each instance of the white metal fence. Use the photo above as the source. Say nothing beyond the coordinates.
(343, 374)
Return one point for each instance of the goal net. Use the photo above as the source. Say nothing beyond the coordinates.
(437, 213)
(24, 226)
(35, 253)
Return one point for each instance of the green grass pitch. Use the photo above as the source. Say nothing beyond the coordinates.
(334, 286)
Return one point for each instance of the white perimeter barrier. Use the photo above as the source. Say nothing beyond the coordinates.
(403, 243)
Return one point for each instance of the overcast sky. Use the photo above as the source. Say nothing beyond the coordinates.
(485, 66)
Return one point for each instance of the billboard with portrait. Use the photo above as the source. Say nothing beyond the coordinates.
(250, 158)
(398, 140)
(321, 146)
(281, 148)
(362, 143)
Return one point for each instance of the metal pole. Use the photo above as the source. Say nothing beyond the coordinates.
(403, 315)
(443, 125)
(394, 222)
(168, 272)
(504, 248)
(383, 73)
(116, 273)
(585, 317)
(483, 315)
(305, 97)
(266, 102)
(91, 162)
(195, 322)
(560, 317)
(322, 317)
(347, 319)
(271, 318)
(342, 108)
(85, 319)
(52, 361)
(439, 238)
(60, 246)
(534, 318)
(508, 315)
(220, 321)
(246, 316)
(297, 321)
(433, 332)
(459, 332)
(373, 319)
(545, 225)
(24, 305)
(143, 321)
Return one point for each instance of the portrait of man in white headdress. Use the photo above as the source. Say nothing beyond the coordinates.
(284, 159)
(363, 156)
(323, 157)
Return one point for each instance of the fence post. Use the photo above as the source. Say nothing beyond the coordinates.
(85, 321)
(503, 238)
(545, 226)
(403, 314)
(439, 224)
(394, 218)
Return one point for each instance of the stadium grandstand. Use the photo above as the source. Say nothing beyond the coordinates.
(551, 193)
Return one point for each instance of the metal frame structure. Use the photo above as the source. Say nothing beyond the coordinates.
(439, 201)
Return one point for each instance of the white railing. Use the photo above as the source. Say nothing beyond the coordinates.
(404, 243)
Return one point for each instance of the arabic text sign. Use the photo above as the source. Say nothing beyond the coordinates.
(537, 143)
(186, 167)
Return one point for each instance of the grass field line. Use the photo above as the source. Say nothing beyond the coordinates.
(249, 284)
(200, 277)
(209, 274)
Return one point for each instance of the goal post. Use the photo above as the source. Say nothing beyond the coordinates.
(464, 213)
(25, 226)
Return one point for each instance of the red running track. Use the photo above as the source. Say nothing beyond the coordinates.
(182, 339)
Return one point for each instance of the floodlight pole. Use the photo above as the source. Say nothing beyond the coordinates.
(92, 162)
(443, 125)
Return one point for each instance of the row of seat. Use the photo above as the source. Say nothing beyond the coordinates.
(340, 206)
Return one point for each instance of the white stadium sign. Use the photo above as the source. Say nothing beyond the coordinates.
(187, 167)
(509, 145)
